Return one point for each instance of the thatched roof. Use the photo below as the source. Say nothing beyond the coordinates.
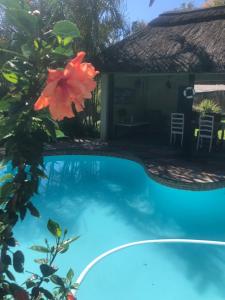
(191, 41)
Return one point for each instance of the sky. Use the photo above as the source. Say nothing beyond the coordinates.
(140, 10)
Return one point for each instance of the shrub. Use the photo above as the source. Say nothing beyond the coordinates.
(207, 106)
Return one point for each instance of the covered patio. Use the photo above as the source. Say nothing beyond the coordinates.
(143, 79)
(144, 76)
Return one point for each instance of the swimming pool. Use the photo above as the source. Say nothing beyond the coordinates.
(110, 201)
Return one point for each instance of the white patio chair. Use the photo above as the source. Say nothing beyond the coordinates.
(206, 130)
(177, 127)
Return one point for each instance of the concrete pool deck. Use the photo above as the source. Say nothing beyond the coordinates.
(164, 163)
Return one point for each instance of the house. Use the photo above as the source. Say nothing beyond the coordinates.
(145, 76)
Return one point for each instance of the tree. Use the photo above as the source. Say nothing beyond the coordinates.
(138, 25)
(101, 22)
(212, 3)
(185, 6)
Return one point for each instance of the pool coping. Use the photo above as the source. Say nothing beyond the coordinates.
(170, 182)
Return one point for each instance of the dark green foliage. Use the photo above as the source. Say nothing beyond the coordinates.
(101, 24)
(30, 49)
(63, 285)
(47, 270)
(18, 261)
(54, 228)
(87, 123)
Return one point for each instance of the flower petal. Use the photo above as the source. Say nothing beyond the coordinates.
(74, 84)
(79, 58)
(59, 107)
(41, 103)
(54, 75)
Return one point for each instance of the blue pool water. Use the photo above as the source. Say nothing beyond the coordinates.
(111, 201)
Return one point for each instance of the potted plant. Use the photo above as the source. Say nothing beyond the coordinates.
(209, 107)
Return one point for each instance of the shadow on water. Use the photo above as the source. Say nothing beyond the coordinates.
(154, 210)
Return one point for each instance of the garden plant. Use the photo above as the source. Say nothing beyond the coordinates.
(208, 106)
(42, 81)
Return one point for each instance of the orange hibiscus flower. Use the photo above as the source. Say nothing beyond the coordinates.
(74, 84)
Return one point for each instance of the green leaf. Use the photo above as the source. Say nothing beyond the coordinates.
(40, 249)
(75, 286)
(11, 242)
(50, 126)
(71, 240)
(66, 28)
(67, 41)
(27, 50)
(11, 77)
(57, 280)
(14, 53)
(22, 20)
(7, 136)
(54, 228)
(2, 165)
(62, 51)
(33, 210)
(3, 227)
(6, 260)
(46, 293)
(18, 261)
(70, 275)
(63, 248)
(46, 270)
(7, 189)
(30, 284)
(41, 173)
(59, 39)
(59, 133)
(22, 212)
(4, 105)
(10, 275)
(41, 261)
(35, 292)
(6, 177)
(44, 44)
(8, 100)
(10, 3)
(36, 45)
(15, 4)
